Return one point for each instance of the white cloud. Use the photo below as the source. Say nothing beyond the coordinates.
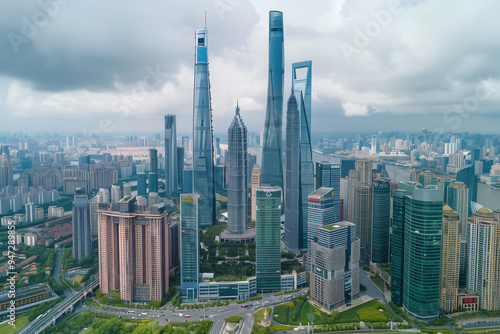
(353, 109)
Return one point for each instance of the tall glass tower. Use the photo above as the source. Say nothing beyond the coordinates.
(293, 207)
(301, 87)
(398, 245)
(203, 161)
(381, 213)
(237, 164)
(190, 252)
(272, 166)
(268, 248)
(328, 175)
(170, 156)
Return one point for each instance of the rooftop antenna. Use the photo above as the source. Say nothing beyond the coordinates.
(205, 19)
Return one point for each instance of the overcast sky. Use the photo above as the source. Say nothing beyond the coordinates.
(118, 66)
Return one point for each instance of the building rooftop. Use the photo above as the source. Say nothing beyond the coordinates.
(320, 192)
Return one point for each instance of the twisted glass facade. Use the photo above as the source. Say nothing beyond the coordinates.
(268, 245)
(237, 183)
(293, 205)
(190, 252)
(301, 87)
(203, 162)
(272, 166)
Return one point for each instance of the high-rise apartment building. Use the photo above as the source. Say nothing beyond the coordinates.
(171, 181)
(190, 247)
(293, 199)
(335, 269)
(134, 250)
(203, 151)
(237, 183)
(422, 257)
(255, 184)
(381, 212)
(82, 239)
(321, 212)
(328, 175)
(450, 260)
(116, 193)
(484, 257)
(272, 154)
(268, 248)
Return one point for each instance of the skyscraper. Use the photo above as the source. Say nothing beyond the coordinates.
(422, 257)
(397, 246)
(82, 239)
(301, 87)
(116, 193)
(134, 250)
(255, 185)
(293, 200)
(237, 191)
(268, 249)
(484, 257)
(190, 247)
(335, 265)
(328, 175)
(6, 173)
(345, 166)
(321, 212)
(381, 212)
(272, 166)
(180, 167)
(467, 175)
(203, 152)
(141, 184)
(171, 181)
(153, 160)
(450, 260)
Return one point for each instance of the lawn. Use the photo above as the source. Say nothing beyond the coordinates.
(347, 316)
(20, 323)
(259, 316)
(493, 330)
(312, 314)
(438, 330)
(77, 279)
(280, 313)
(370, 312)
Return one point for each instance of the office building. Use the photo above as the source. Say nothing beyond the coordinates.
(82, 240)
(335, 269)
(237, 183)
(116, 193)
(422, 257)
(301, 87)
(6, 172)
(272, 154)
(153, 160)
(255, 184)
(469, 178)
(381, 213)
(484, 257)
(268, 249)
(450, 260)
(294, 221)
(180, 167)
(170, 155)
(321, 212)
(134, 251)
(203, 151)
(153, 182)
(397, 245)
(141, 184)
(328, 175)
(345, 166)
(190, 248)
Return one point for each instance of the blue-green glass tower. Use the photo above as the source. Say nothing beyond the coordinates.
(272, 154)
(190, 252)
(398, 245)
(381, 213)
(268, 247)
(203, 162)
(301, 87)
(422, 255)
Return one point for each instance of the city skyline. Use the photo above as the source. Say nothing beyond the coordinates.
(92, 97)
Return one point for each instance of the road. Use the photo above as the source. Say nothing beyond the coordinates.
(57, 269)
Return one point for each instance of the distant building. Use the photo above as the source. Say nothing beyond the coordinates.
(30, 239)
(171, 182)
(469, 178)
(190, 248)
(335, 269)
(255, 185)
(141, 184)
(345, 166)
(153, 182)
(268, 249)
(328, 175)
(116, 193)
(82, 238)
(134, 251)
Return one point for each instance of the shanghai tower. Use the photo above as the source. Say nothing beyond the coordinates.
(203, 165)
(272, 166)
(237, 165)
